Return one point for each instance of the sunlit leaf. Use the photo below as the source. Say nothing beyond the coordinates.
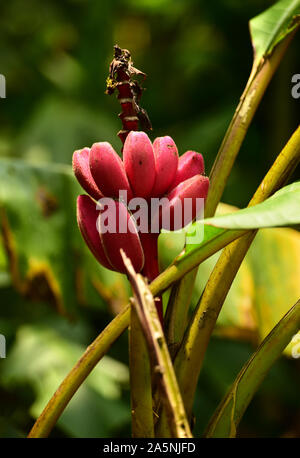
(47, 256)
(272, 26)
(281, 209)
(266, 283)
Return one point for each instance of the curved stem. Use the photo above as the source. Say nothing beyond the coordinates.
(176, 316)
(146, 311)
(256, 85)
(236, 132)
(190, 357)
(140, 380)
(151, 267)
(102, 343)
(78, 374)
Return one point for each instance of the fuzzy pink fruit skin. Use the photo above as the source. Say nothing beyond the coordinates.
(87, 218)
(166, 163)
(139, 163)
(108, 170)
(189, 165)
(83, 174)
(128, 241)
(193, 188)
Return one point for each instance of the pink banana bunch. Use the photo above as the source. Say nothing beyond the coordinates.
(147, 171)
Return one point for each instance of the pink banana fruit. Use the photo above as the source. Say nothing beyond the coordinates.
(124, 236)
(139, 163)
(189, 165)
(87, 215)
(108, 170)
(166, 163)
(184, 203)
(81, 168)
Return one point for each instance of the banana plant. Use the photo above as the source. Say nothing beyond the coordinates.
(167, 343)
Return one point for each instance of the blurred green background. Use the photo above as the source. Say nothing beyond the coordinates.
(197, 55)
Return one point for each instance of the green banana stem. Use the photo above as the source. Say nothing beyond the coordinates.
(188, 362)
(255, 88)
(140, 381)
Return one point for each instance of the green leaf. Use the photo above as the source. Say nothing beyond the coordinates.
(206, 237)
(227, 416)
(203, 240)
(274, 263)
(47, 257)
(266, 283)
(281, 209)
(270, 272)
(41, 357)
(272, 26)
(171, 243)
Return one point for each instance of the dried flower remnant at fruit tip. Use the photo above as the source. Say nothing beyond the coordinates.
(122, 75)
